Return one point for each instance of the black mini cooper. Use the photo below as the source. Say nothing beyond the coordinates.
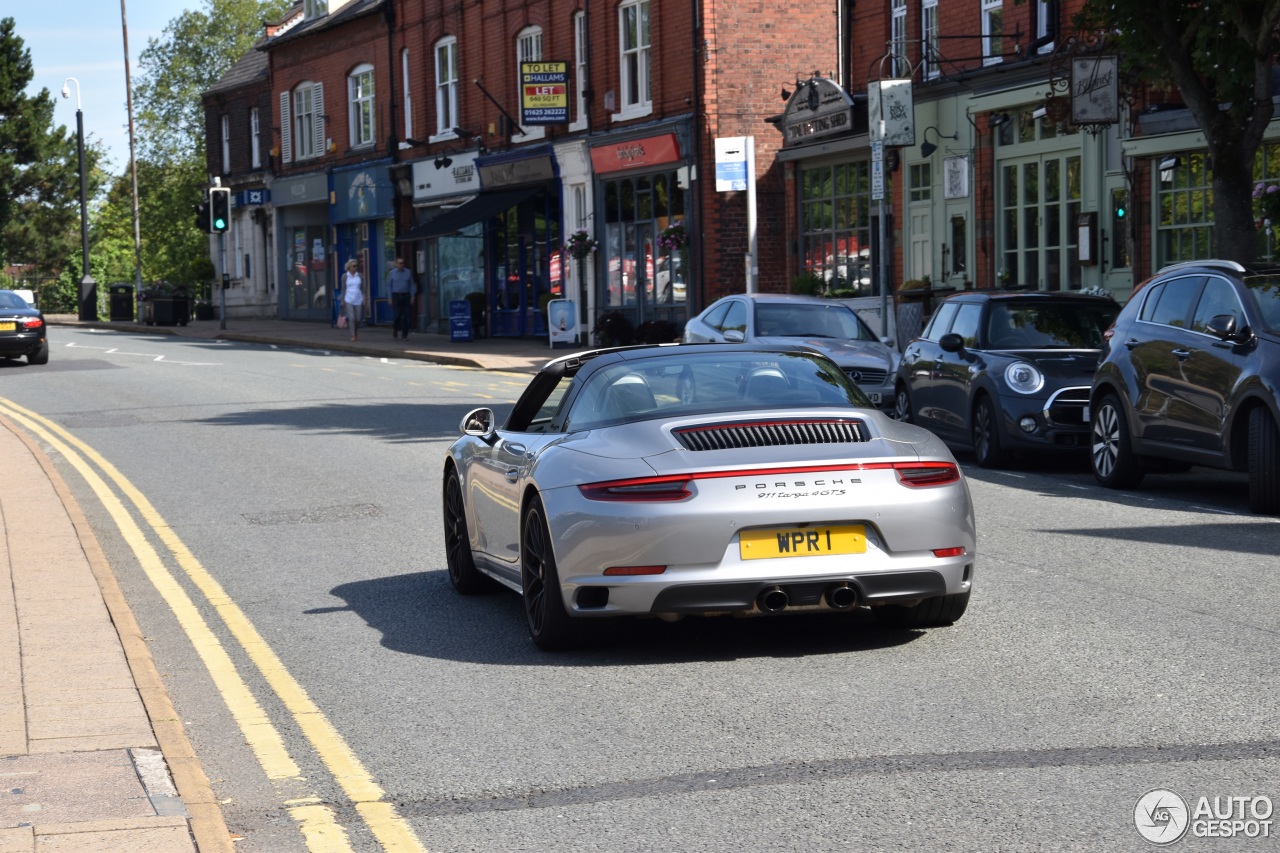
(1000, 371)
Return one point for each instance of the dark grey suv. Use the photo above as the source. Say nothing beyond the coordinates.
(1188, 376)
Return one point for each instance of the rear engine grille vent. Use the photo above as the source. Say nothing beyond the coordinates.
(771, 434)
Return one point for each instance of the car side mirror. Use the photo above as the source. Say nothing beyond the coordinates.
(479, 423)
(951, 342)
(1224, 328)
(734, 336)
(888, 341)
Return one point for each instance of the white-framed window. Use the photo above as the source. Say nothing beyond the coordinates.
(406, 84)
(237, 250)
(226, 144)
(898, 37)
(360, 97)
(579, 71)
(633, 24)
(314, 9)
(528, 49)
(929, 38)
(255, 138)
(446, 87)
(302, 122)
(992, 31)
(1045, 10)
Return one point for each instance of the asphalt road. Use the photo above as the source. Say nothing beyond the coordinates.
(1116, 642)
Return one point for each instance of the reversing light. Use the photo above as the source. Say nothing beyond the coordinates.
(958, 551)
(615, 571)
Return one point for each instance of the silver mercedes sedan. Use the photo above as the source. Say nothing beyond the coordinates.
(686, 479)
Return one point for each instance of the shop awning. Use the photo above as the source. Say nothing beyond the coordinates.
(480, 208)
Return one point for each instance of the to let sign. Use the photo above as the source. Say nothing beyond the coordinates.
(544, 93)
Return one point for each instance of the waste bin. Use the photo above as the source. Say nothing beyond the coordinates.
(121, 302)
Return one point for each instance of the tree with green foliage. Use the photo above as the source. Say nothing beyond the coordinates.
(39, 168)
(194, 51)
(1219, 56)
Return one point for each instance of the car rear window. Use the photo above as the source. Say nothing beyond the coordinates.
(703, 383)
(1171, 303)
(1266, 292)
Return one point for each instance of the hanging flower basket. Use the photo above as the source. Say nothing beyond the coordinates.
(579, 245)
(1266, 205)
(674, 237)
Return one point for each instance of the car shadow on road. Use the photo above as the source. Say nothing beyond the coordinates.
(420, 614)
(394, 422)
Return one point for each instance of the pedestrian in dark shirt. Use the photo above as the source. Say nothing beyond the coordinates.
(403, 288)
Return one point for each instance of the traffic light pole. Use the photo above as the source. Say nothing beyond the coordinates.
(222, 284)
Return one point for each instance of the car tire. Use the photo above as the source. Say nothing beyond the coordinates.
(1114, 463)
(930, 613)
(463, 574)
(986, 435)
(902, 404)
(550, 626)
(1264, 463)
(40, 356)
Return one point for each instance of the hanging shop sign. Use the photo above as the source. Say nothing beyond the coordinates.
(544, 93)
(1095, 90)
(817, 108)
(890, 110)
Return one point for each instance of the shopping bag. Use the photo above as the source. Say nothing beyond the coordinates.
(342, 320)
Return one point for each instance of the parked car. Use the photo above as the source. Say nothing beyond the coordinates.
(714, 479)
(1189, 376)
(826, 325)
(1001, 371)
(22, 330)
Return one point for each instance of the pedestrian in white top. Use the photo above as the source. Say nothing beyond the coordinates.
(352, 297)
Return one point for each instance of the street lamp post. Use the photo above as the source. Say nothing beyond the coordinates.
(88, 287)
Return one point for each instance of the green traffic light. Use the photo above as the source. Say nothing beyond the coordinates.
(220, 224)
(1120, 213)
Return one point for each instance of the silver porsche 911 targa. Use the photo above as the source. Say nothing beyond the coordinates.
(705, 479)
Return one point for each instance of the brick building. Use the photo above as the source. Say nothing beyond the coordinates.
(395, 128)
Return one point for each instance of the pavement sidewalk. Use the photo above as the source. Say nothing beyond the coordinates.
(524, 355)
(92, 754)
(93, 757)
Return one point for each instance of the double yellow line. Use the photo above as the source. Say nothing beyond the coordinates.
(317, 822)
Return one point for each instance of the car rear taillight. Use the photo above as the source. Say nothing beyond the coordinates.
(917, 474)
(958, 551)
(32, 323)
(668, 488)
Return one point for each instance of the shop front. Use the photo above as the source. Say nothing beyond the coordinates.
(303, 250)
(445, 253)
(644, 270)
(521, 200)
(364, 230)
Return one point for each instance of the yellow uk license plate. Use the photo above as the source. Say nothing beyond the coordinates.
(811, 541)
(8, 327)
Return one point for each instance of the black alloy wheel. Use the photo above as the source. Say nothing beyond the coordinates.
(463, 574)
(1264, 463)
(986, 435)
(550, 625)
(1114, 463)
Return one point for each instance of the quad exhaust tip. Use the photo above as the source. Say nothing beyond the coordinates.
(773, 600)
(841, 597)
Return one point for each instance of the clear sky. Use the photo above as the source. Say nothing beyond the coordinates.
(85, 39)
